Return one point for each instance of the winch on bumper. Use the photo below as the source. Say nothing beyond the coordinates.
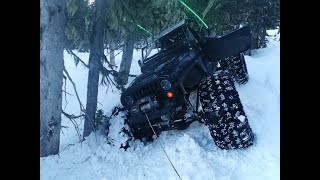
(153, 99)
(157, 116)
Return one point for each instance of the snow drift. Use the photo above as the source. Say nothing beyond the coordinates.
(192, 151)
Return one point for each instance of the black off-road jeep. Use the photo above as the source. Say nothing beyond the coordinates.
(189, 76)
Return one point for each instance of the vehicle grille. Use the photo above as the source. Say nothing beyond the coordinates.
(149, 89)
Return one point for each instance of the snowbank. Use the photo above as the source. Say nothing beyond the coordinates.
(192, 151)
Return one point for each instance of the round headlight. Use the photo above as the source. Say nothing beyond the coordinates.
(129, 100)
(165, 85)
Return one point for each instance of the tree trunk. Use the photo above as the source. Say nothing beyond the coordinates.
(263, 42)
(256, 25)
(95, 61)
(111, 47)
(112, 58)
(52, 26)
(126, 61)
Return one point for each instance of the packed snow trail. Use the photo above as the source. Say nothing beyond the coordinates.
(192, 151)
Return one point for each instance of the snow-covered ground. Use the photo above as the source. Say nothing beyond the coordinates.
(192, 151)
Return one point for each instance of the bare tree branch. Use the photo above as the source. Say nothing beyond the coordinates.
(77, 57)
(209, 6)
(67, 92)
(72, 118)
(105, 73)
(99, 103)
(106, 80)
(81, 105)
(75, 89)
(118, 53)
(106, 60)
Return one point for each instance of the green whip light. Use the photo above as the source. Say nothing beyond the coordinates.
(141, 27)
(194, 13)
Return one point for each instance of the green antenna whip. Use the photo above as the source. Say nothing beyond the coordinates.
(183, 3)
(141, 27)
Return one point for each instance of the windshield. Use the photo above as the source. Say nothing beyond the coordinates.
(150, 50)
(167, 39)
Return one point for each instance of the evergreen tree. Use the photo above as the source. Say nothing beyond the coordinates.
(262, 15)
(79, 15)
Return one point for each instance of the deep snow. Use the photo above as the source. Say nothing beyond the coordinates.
(192, 151)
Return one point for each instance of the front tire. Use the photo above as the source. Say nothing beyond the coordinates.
(223, 112)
